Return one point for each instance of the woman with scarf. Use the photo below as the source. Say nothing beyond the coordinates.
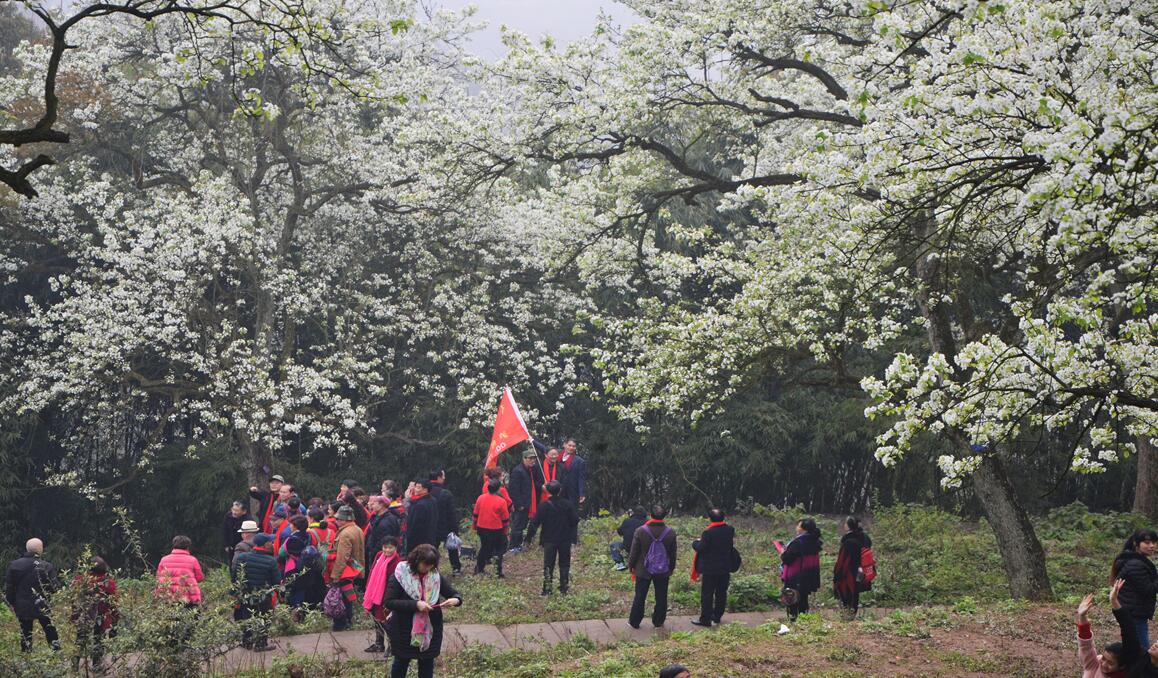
(381, 573)
(415, 624)
(847, 576)
(714, 561)
(801, 571)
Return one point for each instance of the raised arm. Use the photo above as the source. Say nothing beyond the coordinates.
(1131, 649)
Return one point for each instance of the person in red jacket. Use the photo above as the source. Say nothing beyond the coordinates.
(94, 612)
(179, 574)
(492, 520)
(496, 473)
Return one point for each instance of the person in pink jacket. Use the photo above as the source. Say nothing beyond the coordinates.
(1115, 659)
(179, 573)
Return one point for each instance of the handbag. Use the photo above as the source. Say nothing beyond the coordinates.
(334, 604)
(453, 541)
(737, 560)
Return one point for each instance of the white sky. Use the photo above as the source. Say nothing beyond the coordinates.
(564, 20)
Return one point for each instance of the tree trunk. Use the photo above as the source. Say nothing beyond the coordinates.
(1146, 489)
(1021, 552)
(257, 462)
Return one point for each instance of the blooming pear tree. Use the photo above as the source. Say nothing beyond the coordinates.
(979, 171)
(305, 268)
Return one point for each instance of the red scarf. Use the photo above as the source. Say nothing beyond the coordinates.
(696, 558)
(550, 472)
(265, 526)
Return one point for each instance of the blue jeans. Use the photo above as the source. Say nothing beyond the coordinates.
(1142, 630)
(616, 549)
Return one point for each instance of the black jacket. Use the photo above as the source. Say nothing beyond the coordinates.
(361, 516)
(375, 535)
(558, 520)
(263, 504)
(523, 482)
(253, 573)
(447, 513)
(29, 581)
(1137, 596)
(391, 524)
(403, 608)
(714, 548)
(808, 580)
(628, 527)
(422, 523)
(230, 527)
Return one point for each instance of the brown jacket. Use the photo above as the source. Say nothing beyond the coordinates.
(641, 543)
(351, 548)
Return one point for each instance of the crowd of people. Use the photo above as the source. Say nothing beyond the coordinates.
(386, 548)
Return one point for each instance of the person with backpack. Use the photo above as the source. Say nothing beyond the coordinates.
(385, 561)
(651, 560)
(848, 576)
(558, 522)
(324, 537)
(714, 564)
(492, 518)
(254, 574)
(348, 566)
(94, 612)
(800, 573)
(621, 547)
(301, 566)
(416, 596)
(29, 582)
(1133, 565)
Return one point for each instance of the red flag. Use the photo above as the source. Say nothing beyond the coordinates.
(509, 428)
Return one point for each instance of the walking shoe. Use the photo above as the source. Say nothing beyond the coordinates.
(620, 567)
(263, 648)
(517, 549)
(700, 622)
(634, 626)
(375, 648)
(457, 573)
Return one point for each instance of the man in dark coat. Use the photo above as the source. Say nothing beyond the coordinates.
(254, 573)
(231, 527)
(525, 488)
(714, 563)
(652, 531)
(27, 585)
(626, 530)
(559, 522)
(267, 501)
(422, 521)
(447, 515)
(574, 473)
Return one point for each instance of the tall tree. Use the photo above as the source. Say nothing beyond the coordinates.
(978, 169)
